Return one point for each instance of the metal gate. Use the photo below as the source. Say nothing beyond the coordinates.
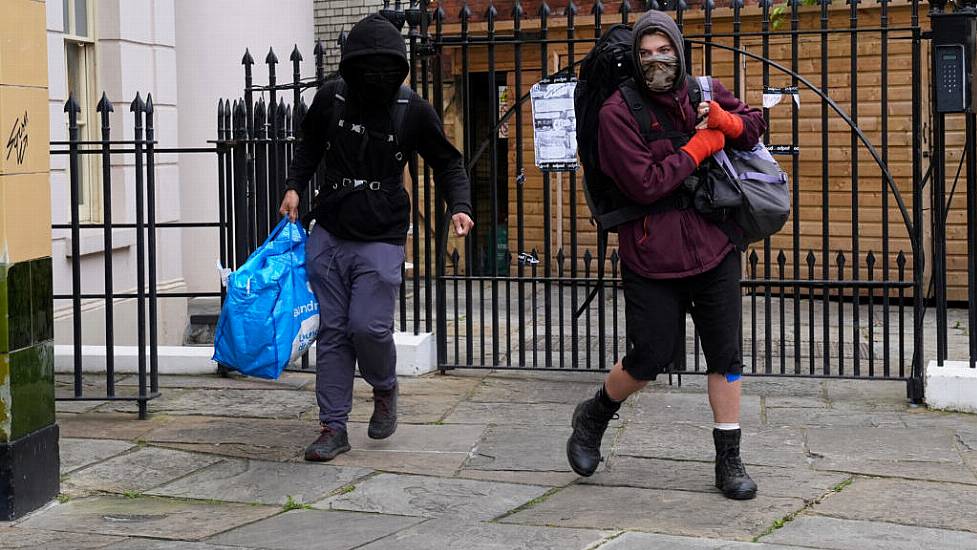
(832, 296)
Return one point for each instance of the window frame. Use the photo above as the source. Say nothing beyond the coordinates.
(90, 197)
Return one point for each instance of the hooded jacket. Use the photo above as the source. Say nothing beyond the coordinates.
(384, 214)
(675, 243)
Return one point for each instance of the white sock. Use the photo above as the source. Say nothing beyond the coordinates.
(727, 426)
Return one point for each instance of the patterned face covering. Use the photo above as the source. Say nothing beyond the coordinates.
(660, 70)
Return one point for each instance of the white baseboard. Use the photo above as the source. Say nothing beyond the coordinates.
(952, 387)
(416, 355)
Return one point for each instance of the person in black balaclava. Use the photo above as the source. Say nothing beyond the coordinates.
(364, 126)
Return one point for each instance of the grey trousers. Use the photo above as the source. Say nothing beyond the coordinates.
(356, 284)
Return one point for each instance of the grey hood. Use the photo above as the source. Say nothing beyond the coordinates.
(659, 21)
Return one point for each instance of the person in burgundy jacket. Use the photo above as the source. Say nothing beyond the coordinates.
(676, 260)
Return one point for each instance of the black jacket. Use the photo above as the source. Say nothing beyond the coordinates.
(373, 215)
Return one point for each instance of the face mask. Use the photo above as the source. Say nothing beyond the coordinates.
(374, 80)
(660, 72)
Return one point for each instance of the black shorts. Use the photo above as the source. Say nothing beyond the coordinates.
(655, 313)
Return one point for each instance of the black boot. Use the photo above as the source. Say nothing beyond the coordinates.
(731, 476)
(383, 423)
(330, 444)
(589, 422)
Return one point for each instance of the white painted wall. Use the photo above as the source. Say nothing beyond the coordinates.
(135, 52)
(186, 53)
(211, 38)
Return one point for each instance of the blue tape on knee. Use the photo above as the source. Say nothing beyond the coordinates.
(732, 378)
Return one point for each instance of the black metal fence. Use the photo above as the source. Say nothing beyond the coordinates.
(143, 151)
(837, 295)
(840, 294)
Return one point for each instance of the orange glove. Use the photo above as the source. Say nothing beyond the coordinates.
(704, 143)
(730, 125)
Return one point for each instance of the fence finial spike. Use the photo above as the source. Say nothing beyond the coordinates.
(104, 105)
(318, 50)
(71, 106)
(137, 104)
(491, 13)
(296, 54)
(544, 9)
(465, 12)
(598, 8)
(247, 59)
(271, 58)
(517, 11)
(149, 103)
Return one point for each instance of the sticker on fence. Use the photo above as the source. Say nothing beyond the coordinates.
(554, 125)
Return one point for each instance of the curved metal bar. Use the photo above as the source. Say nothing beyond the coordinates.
(834, 106)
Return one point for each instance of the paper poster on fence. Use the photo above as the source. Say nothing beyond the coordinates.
(554, 126)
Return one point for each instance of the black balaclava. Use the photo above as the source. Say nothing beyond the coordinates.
(374, 61)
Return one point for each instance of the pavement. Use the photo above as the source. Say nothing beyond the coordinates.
(478, 463)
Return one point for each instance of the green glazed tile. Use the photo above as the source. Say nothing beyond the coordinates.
(19, 317)
(4, 397)
(4, 336)
(42, 302)
(31, 389)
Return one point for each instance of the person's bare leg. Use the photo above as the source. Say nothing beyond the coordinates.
(620, 385)
(724, 398)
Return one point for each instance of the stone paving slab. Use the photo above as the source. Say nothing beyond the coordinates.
(653, 408)
(907, 502)
(275, 404)
(672, 512)
(842, 534)
(245, 438)
(779, 402)
(921, 453)
(535, 414)
(138, 471)
(520, 448)
(315, 529)
(77, 407)
(417, 438)
(146, 517)
(866, 391)
(833, 418)
(645, 541)
(411, 409)
(108, 426)
(450, 533)
(16, 538)
(649, 473)
(150, 544)
(548, 479)
(402, 462)
(269, 483)
(288, 380)
(782, 447)
(503, 390)
(78, 453)
(433, 497)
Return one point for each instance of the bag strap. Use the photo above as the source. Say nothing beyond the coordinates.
(398, 112)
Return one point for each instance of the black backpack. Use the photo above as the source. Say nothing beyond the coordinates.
(609, 67)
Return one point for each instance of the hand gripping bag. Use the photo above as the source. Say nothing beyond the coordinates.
(270, 316)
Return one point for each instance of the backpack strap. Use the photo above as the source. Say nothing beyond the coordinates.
(337, 120)
(642, 110)
(398, 114)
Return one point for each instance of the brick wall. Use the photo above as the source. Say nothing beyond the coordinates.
(334, 16)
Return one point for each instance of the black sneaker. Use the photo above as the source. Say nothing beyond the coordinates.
(731, 476)
(330, 444)
(383, 423)
(589, 423)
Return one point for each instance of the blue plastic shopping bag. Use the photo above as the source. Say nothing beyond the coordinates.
(270, 316)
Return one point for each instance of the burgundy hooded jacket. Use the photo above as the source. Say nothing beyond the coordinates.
(675, 243)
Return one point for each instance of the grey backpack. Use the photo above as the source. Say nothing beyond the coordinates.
(746, 189)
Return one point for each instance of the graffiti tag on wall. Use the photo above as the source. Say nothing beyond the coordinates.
(17, 142)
